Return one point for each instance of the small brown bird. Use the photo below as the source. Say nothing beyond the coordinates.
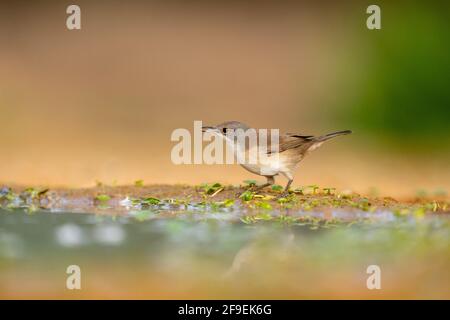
(283, 157)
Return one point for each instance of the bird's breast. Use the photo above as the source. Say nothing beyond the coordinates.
(267, 165)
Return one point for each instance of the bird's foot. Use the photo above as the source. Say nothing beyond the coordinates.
(239, 193)
(284, 194)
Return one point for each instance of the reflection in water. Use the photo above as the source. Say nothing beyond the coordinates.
(109, 234)
(195, 256)
(11, 246)
(70, 235)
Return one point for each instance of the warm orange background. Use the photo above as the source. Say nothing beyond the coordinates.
(101, 103)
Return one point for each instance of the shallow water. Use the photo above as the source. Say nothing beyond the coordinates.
(146, 254)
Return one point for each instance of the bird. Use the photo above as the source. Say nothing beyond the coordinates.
(282, 158)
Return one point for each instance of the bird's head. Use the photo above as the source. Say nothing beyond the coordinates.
(223, 127)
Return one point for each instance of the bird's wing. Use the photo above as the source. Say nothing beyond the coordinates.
(298, 135)
(290, 141)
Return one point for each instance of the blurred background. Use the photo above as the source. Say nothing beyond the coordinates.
(100, 103)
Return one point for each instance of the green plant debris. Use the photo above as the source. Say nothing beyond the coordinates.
(299, 190)
(263, 205)
(103, 198)
(151, 201)
(277, 187)
(313, 188)
(139, 183)
(211, 189)
(247, 195)
(329, 191)
(250, 183)
(226, 203)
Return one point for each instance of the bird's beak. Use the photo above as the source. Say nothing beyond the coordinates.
(208, 128)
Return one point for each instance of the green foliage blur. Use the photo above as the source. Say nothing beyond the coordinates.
(403, 98)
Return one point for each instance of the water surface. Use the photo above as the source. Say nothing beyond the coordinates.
(143, 254)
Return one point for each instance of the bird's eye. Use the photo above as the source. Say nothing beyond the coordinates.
(224, 130)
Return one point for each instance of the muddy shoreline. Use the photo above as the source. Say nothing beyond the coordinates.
(171, 200)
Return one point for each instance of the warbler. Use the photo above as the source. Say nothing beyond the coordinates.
(283, 153)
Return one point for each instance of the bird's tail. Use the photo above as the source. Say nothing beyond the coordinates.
(331, 135)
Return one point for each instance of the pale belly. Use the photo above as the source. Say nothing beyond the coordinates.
(271, 167)
(261, 170)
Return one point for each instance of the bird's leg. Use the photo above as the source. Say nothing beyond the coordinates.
(270, 181)
(286, 189)
(288, 185)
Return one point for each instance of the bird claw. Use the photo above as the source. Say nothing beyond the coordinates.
(284, 194)
(239, 194)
